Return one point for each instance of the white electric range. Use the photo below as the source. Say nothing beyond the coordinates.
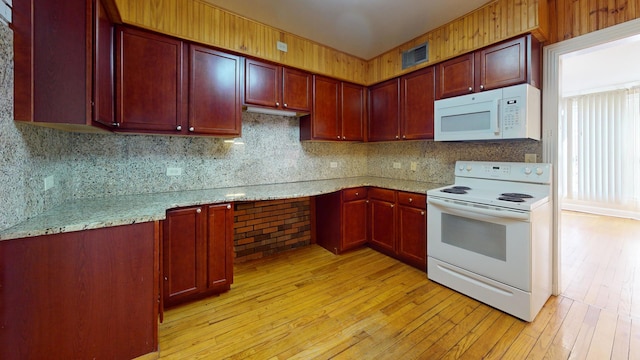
(489, 235)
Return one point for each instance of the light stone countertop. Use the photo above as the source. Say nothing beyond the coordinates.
(97, 213)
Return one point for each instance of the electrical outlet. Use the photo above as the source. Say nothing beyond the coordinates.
(414, 166)
(174, 171)
(530, 158)
(397, 165)
(282, 46)
(333, 164)
(49, 182)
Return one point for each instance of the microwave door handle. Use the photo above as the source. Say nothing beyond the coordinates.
(496, 129)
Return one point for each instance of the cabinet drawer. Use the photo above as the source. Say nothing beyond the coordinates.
(354, 194)
(382, 194)
(412, 199)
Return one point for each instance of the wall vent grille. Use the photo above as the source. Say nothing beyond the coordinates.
(416, 55)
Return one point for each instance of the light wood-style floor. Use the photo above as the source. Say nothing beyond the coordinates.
(311, 304)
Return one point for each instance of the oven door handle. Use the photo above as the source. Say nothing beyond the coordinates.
(480, 210)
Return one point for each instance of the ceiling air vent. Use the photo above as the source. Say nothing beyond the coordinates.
(415, 56)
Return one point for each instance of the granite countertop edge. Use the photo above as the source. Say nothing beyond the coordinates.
(95, 213)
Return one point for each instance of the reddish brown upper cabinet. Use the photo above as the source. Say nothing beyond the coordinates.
(214, 93)
(168, 86)
(384, 111)
(197, 252)
(64, 64)
(150, 70)
(507, 63)
(277, 87)
(341, 223)
(417, 95)
(402, 108)
(338, 112)
(399, 225)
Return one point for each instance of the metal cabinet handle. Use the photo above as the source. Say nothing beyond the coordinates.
(481, 87)
(228, 206)
(392, 205)
(166, 278)
(357, 194)
(191, 129)
(338, 137)
(198, 210)
(179, 127)
(397, 137)
(404, 136)
(115, 124)
(344, 138)
(277, 103)
(422, 213)
(470, 89)
(285, 104)
(410, 199)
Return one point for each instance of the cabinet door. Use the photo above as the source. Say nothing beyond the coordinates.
(326, 109)
(354, 218)
(412, 236)
(183, 254)
(214, 93)
(384, 111)
(149, 81)
(382, 220)
(103, 84)
(503, 64)
(455, 76)
(418, 95)
(219, 246)
(353, 112)
(296, 90)
(262, 83)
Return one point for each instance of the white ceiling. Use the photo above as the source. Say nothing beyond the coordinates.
(363, 28)
(606, 67)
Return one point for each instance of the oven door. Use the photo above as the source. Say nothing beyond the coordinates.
(489, 241)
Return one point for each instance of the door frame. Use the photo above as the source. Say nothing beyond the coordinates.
(552, 66)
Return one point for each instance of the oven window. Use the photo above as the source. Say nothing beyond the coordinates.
(480, 237)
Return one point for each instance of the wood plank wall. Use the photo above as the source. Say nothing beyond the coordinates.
(496, 21)
(549, 20)
(198, 21)
(573, 18)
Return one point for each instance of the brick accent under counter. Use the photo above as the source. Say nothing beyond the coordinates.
(263, 228)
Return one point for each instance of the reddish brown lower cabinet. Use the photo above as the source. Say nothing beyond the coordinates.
(89, 294)
(341, 219)
(197, 252)
(399, 225)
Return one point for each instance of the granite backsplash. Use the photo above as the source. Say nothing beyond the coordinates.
(98, 165)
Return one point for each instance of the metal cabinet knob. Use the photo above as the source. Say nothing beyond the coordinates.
(277, 103)
(357, 194)
(344, 138)
(410, 199)
(404, 136)
(422, 213)
(191, 129)
(338, 137)
(115, 124)
(285, 104)
(166, 278)
(228, 206)
(470, 89)
(481, 87)
(392, 205)
(397, 137)
(179, 127)
(198, 210)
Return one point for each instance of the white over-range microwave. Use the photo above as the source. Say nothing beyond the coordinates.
(508, 113)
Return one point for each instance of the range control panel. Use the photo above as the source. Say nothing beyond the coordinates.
(508, 171)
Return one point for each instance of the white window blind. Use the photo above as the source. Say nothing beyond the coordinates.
(600, 153)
